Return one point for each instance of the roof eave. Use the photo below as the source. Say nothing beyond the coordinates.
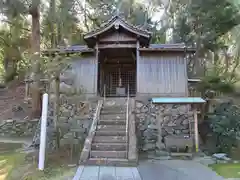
(168, 49)
(118, 21)
(60, 51)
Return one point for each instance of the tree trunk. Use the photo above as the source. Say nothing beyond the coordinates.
(56, 109)
(52, 23)
(56, 78)
(35, 76)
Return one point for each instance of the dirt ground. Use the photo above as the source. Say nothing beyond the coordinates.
(19, 165)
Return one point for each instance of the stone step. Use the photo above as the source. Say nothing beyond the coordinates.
(108, 154)
(109, 139)
(113, 107)
(115, 102)
(109, 146)
(113, 116)
(112, 122)
(103, 112)
(112, 127)
(110, 133)
(110, 162)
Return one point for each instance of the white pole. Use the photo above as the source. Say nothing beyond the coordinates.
(196, 129)
(43, 132)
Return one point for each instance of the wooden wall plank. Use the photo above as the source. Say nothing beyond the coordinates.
(84, 73)
(158, 74)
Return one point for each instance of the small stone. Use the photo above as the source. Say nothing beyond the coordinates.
(72, 165)
(139, 105)
(152, 126)
(219, 155)
(9, 121)
(185, 122)
(144, 109)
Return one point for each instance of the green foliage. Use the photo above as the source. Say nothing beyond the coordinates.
(215, 83)
(225, 124)
(202, 20)
(53, 66)
(10, 76)
(14, 41)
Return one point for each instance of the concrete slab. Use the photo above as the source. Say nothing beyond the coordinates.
(175, 170)
(106, 173)
(149, 170)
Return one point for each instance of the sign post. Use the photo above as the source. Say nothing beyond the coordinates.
(43, 132)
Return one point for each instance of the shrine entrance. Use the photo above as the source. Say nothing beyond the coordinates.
(117, 72)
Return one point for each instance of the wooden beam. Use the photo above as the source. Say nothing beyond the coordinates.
(167, 49)
(109, 46)
(137, 62)
(96, 70)
(196, 128)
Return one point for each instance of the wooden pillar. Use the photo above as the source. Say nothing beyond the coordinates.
(196, 128)
(137, 63)
(96, 70)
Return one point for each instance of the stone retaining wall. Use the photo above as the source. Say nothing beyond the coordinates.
(76, 113)
(75, 116)
(174, 119)
(18, 128)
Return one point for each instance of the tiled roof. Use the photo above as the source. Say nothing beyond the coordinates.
(76, 48)
(168, 47)
(152, 47)
(73, 48)
(122, 22)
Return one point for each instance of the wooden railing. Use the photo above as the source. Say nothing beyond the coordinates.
(104, 93)
(88, 141)
(132, 139)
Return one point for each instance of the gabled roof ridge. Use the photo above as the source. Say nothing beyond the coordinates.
(111, 22)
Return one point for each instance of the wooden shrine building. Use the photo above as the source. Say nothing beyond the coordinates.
(118, 60)
(119, 55)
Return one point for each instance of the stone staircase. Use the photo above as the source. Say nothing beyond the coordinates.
(110, 143)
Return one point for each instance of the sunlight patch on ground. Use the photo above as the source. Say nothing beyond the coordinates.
(227, 170)
(15, 164)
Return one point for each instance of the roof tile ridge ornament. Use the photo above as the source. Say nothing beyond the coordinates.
(122, 22)
(116, 25)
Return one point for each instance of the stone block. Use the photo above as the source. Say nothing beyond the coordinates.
(149, 146)
(66, 113)
(63, 119)
(64, 125)
(9, 121)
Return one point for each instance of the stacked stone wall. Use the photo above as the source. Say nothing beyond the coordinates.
(155, 122)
